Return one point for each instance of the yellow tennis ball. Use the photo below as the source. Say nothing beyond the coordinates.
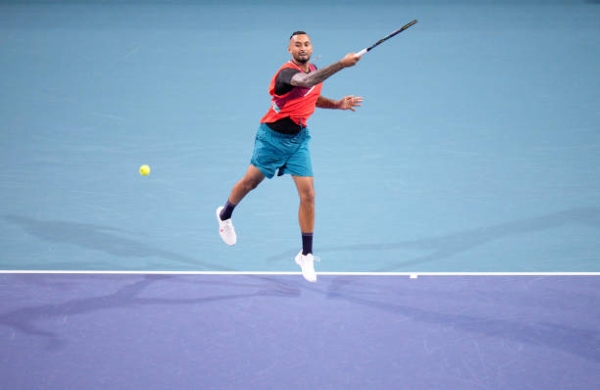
(144, 170)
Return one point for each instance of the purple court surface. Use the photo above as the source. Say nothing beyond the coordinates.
(174, 331)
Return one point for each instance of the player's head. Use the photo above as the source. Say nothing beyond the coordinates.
(300, 47)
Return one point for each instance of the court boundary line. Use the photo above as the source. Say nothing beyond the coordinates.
(285, 273)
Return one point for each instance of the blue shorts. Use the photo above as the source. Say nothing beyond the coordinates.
(281, 153)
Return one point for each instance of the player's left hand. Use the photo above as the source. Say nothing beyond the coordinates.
(349, 102)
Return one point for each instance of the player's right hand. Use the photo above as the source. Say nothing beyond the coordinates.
(350, 60)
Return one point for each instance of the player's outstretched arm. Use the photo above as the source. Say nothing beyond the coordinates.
(345, 103)
(308, 80)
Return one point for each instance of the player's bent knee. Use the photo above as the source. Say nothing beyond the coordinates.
(251, 183)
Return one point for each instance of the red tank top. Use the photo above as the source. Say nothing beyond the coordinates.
(297, 104)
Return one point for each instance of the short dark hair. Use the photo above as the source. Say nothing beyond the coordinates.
(299, 32)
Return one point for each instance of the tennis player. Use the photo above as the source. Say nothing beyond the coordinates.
(281, 142)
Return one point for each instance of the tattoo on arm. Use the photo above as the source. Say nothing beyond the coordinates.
(302, 79)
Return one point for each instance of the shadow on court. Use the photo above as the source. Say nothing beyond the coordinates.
(30, 320)
(447, 246)
(100, 238)
(584, 343)
(493, 314)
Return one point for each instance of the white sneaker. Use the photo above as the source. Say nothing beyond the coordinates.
(226, 230)
(307, 264)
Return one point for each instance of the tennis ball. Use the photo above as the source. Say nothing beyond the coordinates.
(144, 170)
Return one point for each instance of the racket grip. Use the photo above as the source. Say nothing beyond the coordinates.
(360, 53)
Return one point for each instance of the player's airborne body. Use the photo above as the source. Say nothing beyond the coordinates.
(281, 144)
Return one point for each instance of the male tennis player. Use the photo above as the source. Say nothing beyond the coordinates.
(281, 143)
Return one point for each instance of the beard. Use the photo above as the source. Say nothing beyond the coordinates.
(303, 59)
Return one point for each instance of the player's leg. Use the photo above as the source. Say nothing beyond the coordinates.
(299, 165)
(250, 181)
(306, 211)
(306, 219)
(266, 159)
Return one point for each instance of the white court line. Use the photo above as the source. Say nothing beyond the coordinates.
(263, 273)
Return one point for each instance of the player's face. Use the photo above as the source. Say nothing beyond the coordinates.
(300, 48)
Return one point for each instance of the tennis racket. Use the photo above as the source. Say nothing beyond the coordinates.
(379, 42)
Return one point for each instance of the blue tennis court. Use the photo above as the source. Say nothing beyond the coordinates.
(458, 210)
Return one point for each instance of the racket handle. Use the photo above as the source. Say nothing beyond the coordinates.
(360, 53)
